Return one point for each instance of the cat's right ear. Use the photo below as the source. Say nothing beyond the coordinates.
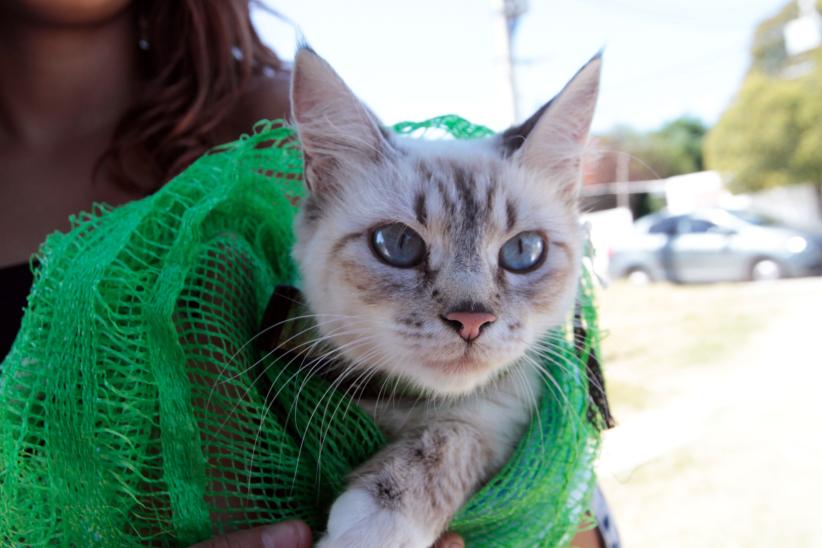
(552, 141)
(335, 128)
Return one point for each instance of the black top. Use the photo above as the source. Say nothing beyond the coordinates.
(15, 284)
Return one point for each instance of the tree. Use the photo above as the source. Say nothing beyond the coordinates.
(680, 143)
(771, 135)
(673, 149)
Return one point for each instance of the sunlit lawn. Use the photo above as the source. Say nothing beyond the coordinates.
(660, 336)
(734, 370)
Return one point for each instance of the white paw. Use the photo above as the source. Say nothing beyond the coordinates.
(358, 521)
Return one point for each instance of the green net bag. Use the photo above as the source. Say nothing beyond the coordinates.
(134, 408)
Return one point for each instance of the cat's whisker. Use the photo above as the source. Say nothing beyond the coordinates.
(222, 379)
(265, 356)
(362, 372)
(344, 365)
(567, 361)
(266, 408)
(412, 233)
(249, 387)
(573, 338)
(308, 346)
(421, 395)
(315, 362)
(310, 366)
(568, 365)
(552, 381)
(323, 359)
(266, 329)
(305, 429)
(330, 390)
(575, 346)
(341, 348)
(384, 382)
(390, 401)
(397, 381)
(558, 358)
(599, 150)
(524, 385)
(363, 380)
(560, 348)
(554, 386)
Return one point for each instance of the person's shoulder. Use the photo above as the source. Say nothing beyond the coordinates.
(265, 97)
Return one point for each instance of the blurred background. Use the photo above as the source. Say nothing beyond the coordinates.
(709, 134)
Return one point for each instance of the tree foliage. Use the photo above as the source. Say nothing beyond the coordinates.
(673, 149)
(682, 141)
(771, 135)
(768, 48)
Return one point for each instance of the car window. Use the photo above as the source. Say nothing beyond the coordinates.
(755, 218)
(665, 226)
(696, 226)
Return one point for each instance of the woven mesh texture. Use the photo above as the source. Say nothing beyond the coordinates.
(134, 408)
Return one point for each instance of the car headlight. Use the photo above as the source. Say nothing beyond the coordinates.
(796, 244)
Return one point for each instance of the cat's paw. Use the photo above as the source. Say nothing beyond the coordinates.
(358, 521)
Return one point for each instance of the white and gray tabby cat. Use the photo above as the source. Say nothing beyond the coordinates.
(450, 259)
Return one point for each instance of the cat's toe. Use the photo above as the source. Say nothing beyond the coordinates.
(358, 521)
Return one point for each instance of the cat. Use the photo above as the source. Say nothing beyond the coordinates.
(444, 262)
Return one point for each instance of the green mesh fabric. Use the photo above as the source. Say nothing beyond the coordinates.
(135, 408)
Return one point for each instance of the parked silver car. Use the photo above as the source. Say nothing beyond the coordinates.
(715, 245)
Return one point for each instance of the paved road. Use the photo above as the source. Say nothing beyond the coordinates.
(737, 460)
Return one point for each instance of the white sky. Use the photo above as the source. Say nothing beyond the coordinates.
(413, 59)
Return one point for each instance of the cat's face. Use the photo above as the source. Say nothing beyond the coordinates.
(439, 262)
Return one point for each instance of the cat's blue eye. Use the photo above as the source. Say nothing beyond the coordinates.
(398, 245)
(523, 253)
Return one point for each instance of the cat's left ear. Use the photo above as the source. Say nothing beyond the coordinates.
(552, 141)
(334, 126)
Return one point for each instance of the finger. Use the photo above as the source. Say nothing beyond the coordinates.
(450, 540)
(288, 534)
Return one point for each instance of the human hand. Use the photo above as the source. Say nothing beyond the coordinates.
(450, 540)
(288, 534)
(291, 534)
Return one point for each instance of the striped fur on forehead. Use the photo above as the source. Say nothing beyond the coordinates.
(465, 200)
(466, 190)
(435, 267)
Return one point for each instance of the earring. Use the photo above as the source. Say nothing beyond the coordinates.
(142, 33)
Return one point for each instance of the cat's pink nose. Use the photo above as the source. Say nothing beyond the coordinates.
(470, 322)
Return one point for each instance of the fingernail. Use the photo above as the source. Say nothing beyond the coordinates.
(303, 534)
(282, 535)
(455, 544)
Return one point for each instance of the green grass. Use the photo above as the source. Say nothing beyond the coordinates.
(656, 334)
(733, 370)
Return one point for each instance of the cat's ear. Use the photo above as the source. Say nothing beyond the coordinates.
(552, 141)
(334, 126)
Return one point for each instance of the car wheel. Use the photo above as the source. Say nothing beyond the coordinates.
(766, 269)
(639, 276)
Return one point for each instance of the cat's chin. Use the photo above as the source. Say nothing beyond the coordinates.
(457, 376)
(463, 365)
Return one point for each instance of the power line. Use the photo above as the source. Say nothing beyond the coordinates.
(670, 18)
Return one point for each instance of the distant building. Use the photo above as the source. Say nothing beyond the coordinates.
(678, 194)
(805, 32)
(802, 35)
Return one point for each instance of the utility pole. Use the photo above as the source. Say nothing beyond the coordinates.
(509, 14)
(623, 174)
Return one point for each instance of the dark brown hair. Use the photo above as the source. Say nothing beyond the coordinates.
(195, 58)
